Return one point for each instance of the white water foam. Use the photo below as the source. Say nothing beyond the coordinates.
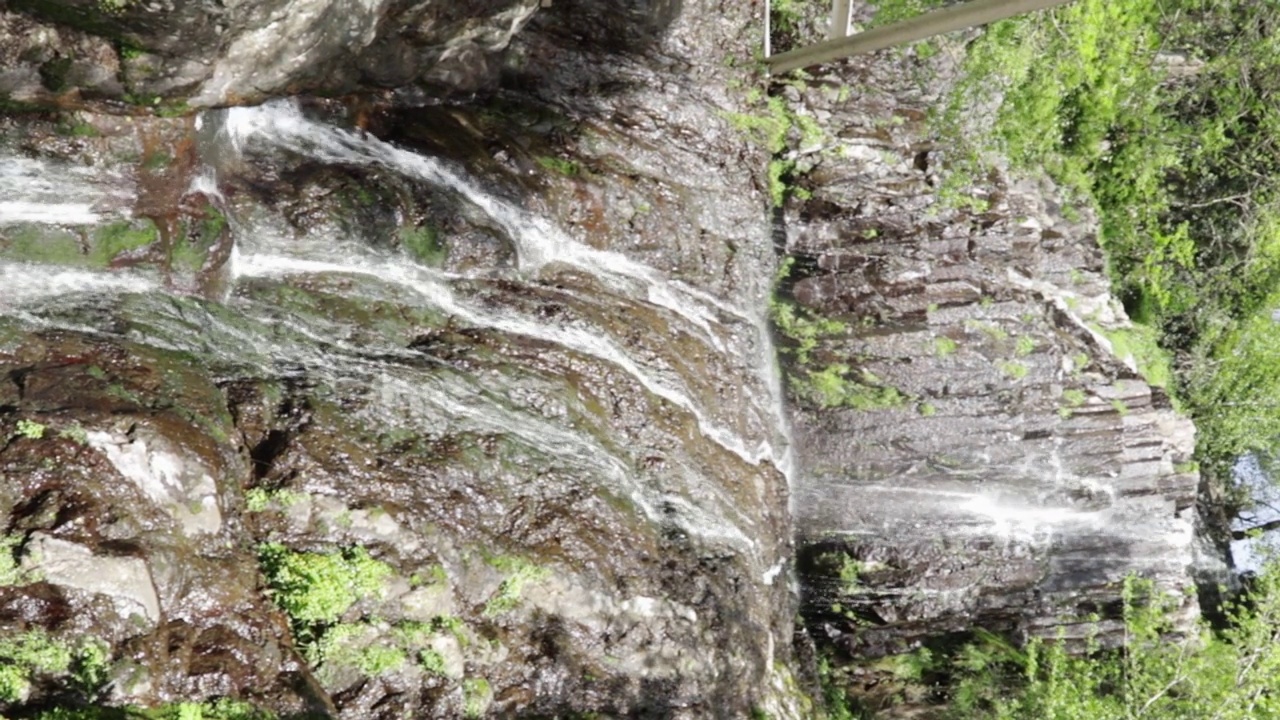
(429, 286)
(49, 213)
(22, 283)
(37, 191)
(538, 241)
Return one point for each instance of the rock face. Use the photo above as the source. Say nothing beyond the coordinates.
(206, 53)
(435, 404)
(501, 391)
(1015, 467)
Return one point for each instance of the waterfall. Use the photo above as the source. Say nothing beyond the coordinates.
(538, 242)
(249, 332)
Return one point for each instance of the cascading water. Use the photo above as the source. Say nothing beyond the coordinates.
(251, 317)
(734, 339)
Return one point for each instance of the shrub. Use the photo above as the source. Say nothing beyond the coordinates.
(315, 589)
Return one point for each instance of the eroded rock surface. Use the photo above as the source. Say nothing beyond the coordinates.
(1014, 467)
(198, 54)
(510, 362)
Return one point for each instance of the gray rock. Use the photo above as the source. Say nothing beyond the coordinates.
(125, 580)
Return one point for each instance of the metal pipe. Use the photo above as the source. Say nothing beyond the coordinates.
(948, 19)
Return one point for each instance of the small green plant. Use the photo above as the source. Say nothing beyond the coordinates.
(423, 243)
(157, 161)
(114, 7)
(476, 696)
(567, 168)
(30, 429)
(315, 589)
(1014, 369)
(377, 660)
(433, 575)
(991, 330)
(770, 130)
(11, 572)
(260, 499)
(519, 573)
(944, 346)
(75, 433)
(431, 662)
(25, 656)
(1120, 408)
(927, 410)
(850, 576)
(833, 387)
(1026, 345)
(454, 626)
(256, 499)
(1072, 398)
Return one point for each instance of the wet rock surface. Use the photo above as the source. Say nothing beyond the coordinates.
(131, 55)
(500, 362)
(512, 365)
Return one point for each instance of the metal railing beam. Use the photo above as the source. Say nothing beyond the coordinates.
(937, 22)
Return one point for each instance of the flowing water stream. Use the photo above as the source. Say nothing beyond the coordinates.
(249, 330)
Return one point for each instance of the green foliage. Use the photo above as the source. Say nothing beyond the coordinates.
(11, 572)
(75, 433)
(567, 168)
(1234, 390)
(802, 329)
(850, 575)
(220, 709)
(892, 11)
(424, 244)
(944, 346)
(1071, 399)
(315, 589)
(769, 129)
(772, 130)
(114, 7)
(356, 645)
(434, 575)
(453, 625)
(121, 236)
(1230, 675)
(30, 429)
(834, 698)
(835, 386)
(1026, 345)
(476, 696)
(431, 662)
(519, 573)
(828, 385)
(1013, 369)
(1183, 171)
(1141, 344)
(26, 655)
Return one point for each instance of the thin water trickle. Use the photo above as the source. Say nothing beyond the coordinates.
(22, 283)
(281, 124)
(538, 242)
(440, 297)
(37, 191)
